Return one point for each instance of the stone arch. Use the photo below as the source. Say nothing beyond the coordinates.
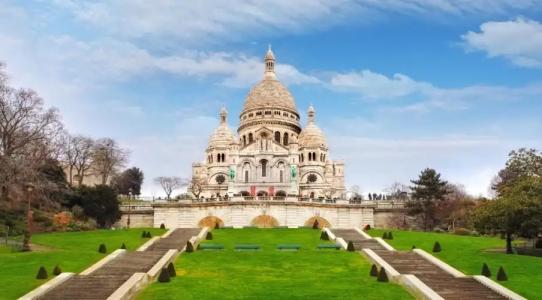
(211, 222)
(280, 193)
(321, 222)
(264, 221)
(262, 194)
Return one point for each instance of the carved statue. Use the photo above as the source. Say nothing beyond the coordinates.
(231, 173)
(293, 172)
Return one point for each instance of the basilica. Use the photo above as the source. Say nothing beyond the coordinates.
(272, 156)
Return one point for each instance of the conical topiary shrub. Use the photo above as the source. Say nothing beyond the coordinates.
(413, 247)
(350, 247)
(485, 270)
(385, 235)
(57, 270)
(171, 270)
(144, 234)
(42, 273)
(162, 226)
(390, 236)
(501, 275)
(382, 275)
(315, 225)
(209, 236)
(149, 234)
(436, 247)
(324, 236)
(374, 271)
(102, 248)
(189, 247)
(164, 276)
(123, 246)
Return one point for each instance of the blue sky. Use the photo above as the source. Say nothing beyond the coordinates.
(398, 85)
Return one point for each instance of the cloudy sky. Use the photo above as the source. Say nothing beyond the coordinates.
(398, 85)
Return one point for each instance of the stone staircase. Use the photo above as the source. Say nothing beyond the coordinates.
(101, 283)
(407, 262)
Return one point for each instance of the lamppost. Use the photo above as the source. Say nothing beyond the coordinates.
(27, 233)
(129, 207)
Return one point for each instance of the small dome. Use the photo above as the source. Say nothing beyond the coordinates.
(269, 93)
(312, 137)
(222, 137)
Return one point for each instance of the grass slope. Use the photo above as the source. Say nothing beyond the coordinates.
(272, 274)
(468, 253)
(72, 251)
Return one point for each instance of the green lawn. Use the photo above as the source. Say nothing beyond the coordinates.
(468, 253)
(272, 274)
(72, 251)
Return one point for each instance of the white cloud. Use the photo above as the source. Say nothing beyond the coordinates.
(519, 41)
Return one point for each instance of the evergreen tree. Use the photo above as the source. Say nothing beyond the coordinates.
(382, 275)
(324, 236)
(436, 247)
(501, 275)
(42, 273)
(374, 271)
(57, 270)
(209, 236)
(390, 236)
(123, 246)
(102, 248)
(485, 270)
(171, 270)
(350, 247)
(164, 276)
(428, 190)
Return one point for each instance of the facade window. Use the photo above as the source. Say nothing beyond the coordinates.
(258, 113)
(281, 176)
(277, 137)
(250, 138)
(264, 167)
(285, 139)
(218, 157)
(223, 157)
(268, 112)
(246, 176)
(244, 140)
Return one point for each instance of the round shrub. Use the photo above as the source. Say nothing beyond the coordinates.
(209, 236)
(42, 273)
(501, 275)
(485, 270)
(350, 247)
(57, 270)
(324, 236)
(382, 276)
(171, 270)
(374, 271)
(164, 276)
(436, 247)
(102, 248)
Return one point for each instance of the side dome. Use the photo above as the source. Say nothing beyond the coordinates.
(222, 136)
(311, 136)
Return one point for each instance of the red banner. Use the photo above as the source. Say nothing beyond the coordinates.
(271, 191)
(253, 190)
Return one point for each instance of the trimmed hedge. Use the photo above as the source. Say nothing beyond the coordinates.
(382, 275)
(436, 247)
(374, 271)
(57, 270)
(501, 275)
(42, 273)
(164, 276)
(485, 270)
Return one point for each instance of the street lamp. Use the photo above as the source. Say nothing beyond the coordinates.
(28, 234)
(129, 207)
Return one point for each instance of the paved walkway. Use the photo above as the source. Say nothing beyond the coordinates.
(101, 283)
(408, 262)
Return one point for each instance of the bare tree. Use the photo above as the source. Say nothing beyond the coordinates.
(79, 155)
(397, 190)
(196, 186)
(27, 134)
(108, 158)
(170, 183)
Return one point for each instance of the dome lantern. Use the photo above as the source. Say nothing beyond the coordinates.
(269, 64)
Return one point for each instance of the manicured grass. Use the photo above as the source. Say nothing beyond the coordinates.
(272, 274)
(72, 251)
(468, 253)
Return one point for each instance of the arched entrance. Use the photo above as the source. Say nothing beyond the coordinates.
(245, 193)
(262, 194)
(321, 222)
(211, 222)
(280, 194)
(264, 221)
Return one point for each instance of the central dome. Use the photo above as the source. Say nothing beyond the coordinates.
(269, 93)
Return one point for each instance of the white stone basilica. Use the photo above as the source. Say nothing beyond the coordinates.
(272, 157)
